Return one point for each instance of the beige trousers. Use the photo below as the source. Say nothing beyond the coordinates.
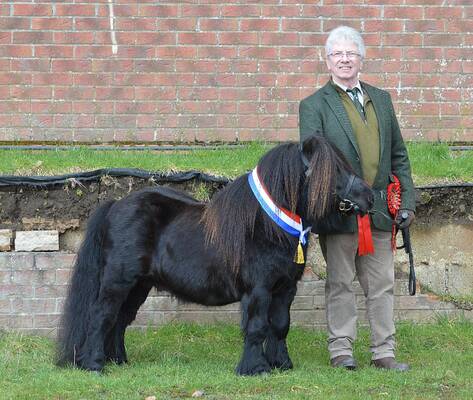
(375, 273)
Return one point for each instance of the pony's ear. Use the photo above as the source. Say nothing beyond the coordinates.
(308, 145)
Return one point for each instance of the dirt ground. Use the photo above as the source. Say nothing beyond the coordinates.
(66, 207)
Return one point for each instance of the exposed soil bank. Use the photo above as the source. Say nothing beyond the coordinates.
(442, 235)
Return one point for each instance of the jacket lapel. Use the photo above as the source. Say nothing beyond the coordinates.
(378, 104)
(335, 103)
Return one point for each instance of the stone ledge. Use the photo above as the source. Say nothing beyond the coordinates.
(37, 240)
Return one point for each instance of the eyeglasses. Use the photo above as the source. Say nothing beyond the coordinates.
(351, 55)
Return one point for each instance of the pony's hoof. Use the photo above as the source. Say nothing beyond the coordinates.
(278, 356)
(93, 368)
(282, 365)
(118, 360)
(255, 369)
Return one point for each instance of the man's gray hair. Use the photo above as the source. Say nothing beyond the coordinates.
(345, 33)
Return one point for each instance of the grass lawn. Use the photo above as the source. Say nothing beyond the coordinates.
(175, 360)
(431, 163)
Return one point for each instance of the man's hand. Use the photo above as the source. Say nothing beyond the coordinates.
(404, 218)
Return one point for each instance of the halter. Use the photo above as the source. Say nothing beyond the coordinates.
(347, 205)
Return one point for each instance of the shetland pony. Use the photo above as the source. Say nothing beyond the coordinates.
(214, 253)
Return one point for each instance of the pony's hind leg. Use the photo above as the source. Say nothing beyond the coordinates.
(254, 307)
(275, 347)
(115, 350)
(103, 317)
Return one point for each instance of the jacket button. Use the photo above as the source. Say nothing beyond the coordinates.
(357, 158)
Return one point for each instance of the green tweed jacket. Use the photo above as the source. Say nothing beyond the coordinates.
(323, 113)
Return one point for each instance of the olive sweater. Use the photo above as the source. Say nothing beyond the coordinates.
(366, 133)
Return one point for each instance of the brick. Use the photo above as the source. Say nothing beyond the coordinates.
(71, 65)
(74, 38)
(30, 306)
(196, 38)
(5, 307)
(284, 39)
(200, 10)
(400, 12)
(149, 66)
(6, 277)
(75, 9)
(303, 303)
(46, 320)
(444, 40)
(142, 24)
(135, 108)
(209, 317)
(16, 321)
(49, 291)
(246, 10)
(91, 24)
(162, 11)
(401, 39)
(445, 12)
(14, 23)
(32, 37)
(164, 38)
(302, 25)
(48, 78)
(145, 318)
(433, 25)
(16, 261)
(207, 52)
(32, 9)
(55, 24)
(238, 38)
(266, 24)
(383, 25)
(6, 37)
(218, 24)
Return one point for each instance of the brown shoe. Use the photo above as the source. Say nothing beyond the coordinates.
(390, 363)
(347, 362)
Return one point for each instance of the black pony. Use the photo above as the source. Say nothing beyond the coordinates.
(214, 254)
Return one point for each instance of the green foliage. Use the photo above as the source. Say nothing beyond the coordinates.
(430, 162)
(173, 361)
(227, 161)
(200, 191)
(437, 163)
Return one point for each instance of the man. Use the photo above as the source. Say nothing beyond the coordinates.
(359, 119)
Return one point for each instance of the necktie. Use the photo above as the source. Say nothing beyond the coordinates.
(356, 101)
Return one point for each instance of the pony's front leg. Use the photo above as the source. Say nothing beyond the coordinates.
(254, 308)
(275, 347)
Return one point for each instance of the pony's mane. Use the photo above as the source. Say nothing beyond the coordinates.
(234, 216)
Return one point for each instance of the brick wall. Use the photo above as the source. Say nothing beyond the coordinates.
(121, 70)
(33, 286)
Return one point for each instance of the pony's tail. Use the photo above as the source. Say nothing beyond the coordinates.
(83, 290)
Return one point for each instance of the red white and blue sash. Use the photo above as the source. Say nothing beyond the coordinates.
(285, 219)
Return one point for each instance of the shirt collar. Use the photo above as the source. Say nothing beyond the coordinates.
(344, 88)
